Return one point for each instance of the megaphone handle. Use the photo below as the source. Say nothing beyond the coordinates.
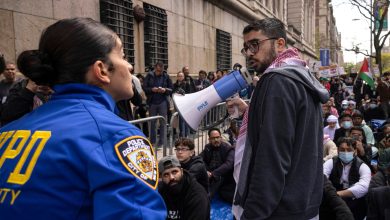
(236, 113)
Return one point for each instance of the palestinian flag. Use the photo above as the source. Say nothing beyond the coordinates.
(366, 75)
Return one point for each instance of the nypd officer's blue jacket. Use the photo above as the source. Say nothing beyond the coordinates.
(73, 158)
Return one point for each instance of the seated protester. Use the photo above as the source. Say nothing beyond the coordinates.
(218, 157)
(357, 119)
(351, 107)
(383, 147)
(382, 143)
(330, 148)
(330, 129)
(184, 197)
(378, 198)
(345, 122)
(333, 110)
(374, 111)
(364, 151)
(232, 132)
(325, 113)
(185, 153)
(350, 176)
(333, 206)
(343, 106)
(382, 177)
(384, 152)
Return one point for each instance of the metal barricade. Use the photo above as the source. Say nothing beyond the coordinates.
(214, 118)
(140, 123)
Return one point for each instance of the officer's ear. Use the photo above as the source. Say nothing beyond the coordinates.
(98, 74)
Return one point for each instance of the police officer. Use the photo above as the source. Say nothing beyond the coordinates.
(73, 157)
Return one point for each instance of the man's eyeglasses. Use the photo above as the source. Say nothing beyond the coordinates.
(254, 45)
(182, 149)
(215, 138)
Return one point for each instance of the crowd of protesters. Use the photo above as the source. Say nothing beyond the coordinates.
(356, 136)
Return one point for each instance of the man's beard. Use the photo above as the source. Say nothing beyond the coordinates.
(263, 65)
(175, 188)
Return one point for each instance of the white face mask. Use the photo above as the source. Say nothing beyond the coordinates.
(346, 124)
(346, 157)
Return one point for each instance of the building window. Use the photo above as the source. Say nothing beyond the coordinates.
(224, 50)
(118, 15)
(155, 35)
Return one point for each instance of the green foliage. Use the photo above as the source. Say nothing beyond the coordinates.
(348, 67)
(385, 62)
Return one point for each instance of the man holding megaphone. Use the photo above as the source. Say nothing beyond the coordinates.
(278, 158)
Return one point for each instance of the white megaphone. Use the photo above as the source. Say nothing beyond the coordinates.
(193, 107)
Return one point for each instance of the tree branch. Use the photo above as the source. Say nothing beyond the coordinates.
(364, 52)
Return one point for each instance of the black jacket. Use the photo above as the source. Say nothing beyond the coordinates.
(378, 203)
(337, 171)
(191, 204)
(227, 155)
(281, 170)
(196, 167)
(124, 106)
(333, 206)
(379, 179)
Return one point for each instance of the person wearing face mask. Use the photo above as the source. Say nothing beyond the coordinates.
(350, 176)
(345, 122)
(184, 197)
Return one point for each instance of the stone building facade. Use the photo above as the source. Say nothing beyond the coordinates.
(327, 36)
(203, 34)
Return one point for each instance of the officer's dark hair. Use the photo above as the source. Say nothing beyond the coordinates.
(67, 49)
(185, 142)
(214, 129)
(270, 27)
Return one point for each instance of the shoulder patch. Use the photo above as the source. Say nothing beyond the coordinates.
(137, 156)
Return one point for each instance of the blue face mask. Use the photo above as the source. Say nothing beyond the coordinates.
(346, 157)
(347, 124)
(372, 105)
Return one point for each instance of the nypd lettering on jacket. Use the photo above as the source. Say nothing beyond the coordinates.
(137, 155)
